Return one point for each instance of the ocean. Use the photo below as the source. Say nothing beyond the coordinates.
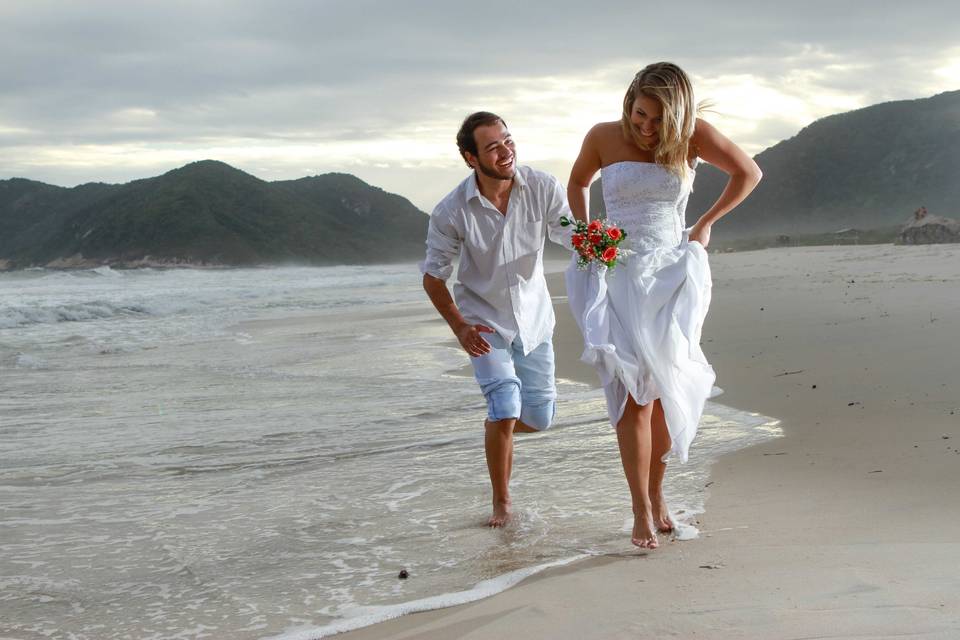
(258, 453)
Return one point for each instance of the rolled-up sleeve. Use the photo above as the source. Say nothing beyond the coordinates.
(443, 245)
(557, 207)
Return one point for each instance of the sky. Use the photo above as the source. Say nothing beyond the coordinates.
(111, 91)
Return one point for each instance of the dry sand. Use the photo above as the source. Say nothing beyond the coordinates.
(848, 527)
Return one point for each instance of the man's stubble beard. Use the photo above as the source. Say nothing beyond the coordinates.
(491, 172)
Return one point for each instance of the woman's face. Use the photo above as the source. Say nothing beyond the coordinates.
(646, 116)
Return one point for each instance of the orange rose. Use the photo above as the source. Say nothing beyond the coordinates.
(614, 233)
(610, 253)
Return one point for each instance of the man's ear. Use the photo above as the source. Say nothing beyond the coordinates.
(470, 158)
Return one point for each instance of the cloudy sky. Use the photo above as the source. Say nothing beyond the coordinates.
(115, 90)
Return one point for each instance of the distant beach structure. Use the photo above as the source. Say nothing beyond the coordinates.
(922, 228)
(846, 236)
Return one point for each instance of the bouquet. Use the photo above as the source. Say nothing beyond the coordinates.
(596, 241)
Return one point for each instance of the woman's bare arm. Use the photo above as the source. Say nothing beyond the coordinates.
(743, 172)
(585, 167)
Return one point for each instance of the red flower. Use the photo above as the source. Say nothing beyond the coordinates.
(577, 239)
(595, 238)
(595, 226)
(614, 233)
(610, 253)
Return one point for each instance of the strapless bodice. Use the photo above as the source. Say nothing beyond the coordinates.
(647, 201)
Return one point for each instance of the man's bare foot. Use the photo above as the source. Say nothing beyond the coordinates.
(501, 513)
(643, 534)
(661, 514)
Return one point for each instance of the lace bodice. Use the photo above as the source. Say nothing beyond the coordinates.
(647, 201)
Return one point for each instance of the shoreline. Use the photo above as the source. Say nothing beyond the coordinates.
(810, 533)
(687, 517)
(86, 264)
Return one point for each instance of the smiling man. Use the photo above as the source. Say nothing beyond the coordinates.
(496, 222)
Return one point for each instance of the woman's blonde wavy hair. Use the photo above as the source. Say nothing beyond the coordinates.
(668, 84)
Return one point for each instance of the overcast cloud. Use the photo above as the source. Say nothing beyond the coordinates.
(116, 90)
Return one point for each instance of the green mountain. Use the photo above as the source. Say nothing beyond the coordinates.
(867, 169)
(211, 213)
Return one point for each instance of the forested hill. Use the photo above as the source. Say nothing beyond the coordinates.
(207, 213)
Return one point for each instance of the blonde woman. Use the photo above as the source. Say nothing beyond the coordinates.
(641, 324)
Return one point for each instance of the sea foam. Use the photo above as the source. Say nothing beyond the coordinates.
(358, 617)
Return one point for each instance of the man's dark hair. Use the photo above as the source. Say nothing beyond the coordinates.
(465, 140)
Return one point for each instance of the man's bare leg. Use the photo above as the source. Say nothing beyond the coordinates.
(520, 427)
(498, 443)
(660, 441)
(633, 436)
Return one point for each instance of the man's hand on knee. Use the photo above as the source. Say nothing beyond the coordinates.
(470, 339)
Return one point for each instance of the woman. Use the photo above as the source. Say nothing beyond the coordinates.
(641, 323)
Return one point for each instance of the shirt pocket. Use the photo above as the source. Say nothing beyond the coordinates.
(533, 214)
(530, 234)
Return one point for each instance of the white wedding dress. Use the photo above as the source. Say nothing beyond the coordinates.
(641, 321)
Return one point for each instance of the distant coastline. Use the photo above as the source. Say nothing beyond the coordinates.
(206, 214)
(79, 263)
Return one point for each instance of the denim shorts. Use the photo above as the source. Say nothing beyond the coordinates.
(517, 385)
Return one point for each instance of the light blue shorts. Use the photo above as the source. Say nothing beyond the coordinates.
(517, 385)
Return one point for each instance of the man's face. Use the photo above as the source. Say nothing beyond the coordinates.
(496, 154)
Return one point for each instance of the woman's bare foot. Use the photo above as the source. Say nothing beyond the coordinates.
(643, 534)
(501, 513)
(661, 514)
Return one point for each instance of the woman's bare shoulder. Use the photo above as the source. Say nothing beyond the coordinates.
(603, 130)
(604, 136)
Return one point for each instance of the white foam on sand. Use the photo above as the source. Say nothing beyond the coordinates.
(683, 525)
(684, 531)
(358, 617)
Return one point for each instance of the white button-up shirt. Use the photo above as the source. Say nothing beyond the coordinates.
(500, 280)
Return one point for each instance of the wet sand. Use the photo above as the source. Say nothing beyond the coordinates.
(848, 527)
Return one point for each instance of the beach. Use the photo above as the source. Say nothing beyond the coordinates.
(846, 527)
(258, 453)
(234, 453)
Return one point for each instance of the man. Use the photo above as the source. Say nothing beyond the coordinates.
(496, 221)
